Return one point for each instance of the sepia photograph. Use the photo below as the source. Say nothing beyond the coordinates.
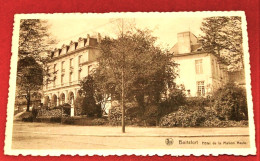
(175, 83)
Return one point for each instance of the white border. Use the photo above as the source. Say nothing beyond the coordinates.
(143, 152)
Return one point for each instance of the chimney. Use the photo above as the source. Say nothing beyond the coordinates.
(184, 42)
(88, 40)
(98, 38)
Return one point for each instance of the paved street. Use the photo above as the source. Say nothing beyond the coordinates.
(57, 136)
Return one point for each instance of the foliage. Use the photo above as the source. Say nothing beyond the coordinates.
(223, 37)
(230, 103)
(78, 105)
(90, 105)
(199, 102)
(175, 98)
(184, 117)
(26, 116)
(29, 77)
(98, 121)
(34, 38)
(198, 117)
(48, 113)
(152, 112)
(54, 112)
(131, 116)
(66, 108)
(146, 69)
(84, 121)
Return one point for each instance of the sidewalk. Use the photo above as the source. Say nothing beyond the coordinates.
(111, 131)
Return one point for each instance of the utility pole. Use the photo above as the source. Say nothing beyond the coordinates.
(123, 90)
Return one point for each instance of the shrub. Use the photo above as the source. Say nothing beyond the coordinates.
(131, 115)
(78, 105)
(230, 103)
(115, 116)
(49, 113)
(184, 117)
(177, 97)
(151, 115)
(89, 106)
(199, 102)
(65, 108)
(98, 112)
(98, 121)
(34, 113)
(69, 120)
(197, 117)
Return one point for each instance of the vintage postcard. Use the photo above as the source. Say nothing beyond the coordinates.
(175, 83)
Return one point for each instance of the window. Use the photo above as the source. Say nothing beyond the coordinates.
(62, 66)
(54, 81)
(54, 76)
(80, 57)
(79, 76)
(47, 81)
(198, 66)
(200, 88)
(71, 62)
(54, 68)
(70, 79)
(62, 79)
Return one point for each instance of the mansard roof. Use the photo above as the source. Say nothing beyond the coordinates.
(89, 41)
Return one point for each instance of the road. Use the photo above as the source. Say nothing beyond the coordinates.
(56, 136)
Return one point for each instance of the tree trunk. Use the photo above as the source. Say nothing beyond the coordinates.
(28, 98)
(123, 103)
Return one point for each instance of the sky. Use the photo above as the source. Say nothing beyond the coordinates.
(68, 29)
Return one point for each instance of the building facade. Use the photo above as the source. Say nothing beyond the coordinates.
(67, 67)
(200, 72)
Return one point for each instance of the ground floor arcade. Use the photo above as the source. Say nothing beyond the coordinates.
(56, 97)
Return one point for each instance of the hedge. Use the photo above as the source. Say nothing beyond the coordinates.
(200, 117)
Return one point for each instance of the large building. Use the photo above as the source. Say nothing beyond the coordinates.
(67, 67)
(200, 72)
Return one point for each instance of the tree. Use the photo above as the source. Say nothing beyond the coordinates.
(132, 68)
(29, 77)
(34, 39)
(231, 103)
(223, 37)
(91, 104)
(34, 44)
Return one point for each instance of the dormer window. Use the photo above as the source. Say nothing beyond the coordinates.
(73, 46)
(56, 52)
(81, 43)
(64, 49)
